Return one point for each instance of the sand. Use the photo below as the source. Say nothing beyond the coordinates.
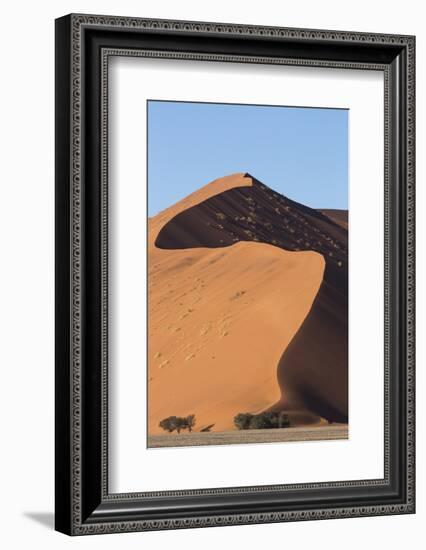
(320, 432)
(247, 308)
(338, 216)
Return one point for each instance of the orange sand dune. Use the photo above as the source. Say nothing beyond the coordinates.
(214, 347)
(237, 273)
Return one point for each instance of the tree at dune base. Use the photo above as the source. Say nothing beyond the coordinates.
(262, 421)
(178, 423)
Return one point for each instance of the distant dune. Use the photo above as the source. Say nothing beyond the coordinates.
(247, 307)
(338, 216)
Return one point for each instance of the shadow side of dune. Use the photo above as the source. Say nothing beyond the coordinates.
(313, 369)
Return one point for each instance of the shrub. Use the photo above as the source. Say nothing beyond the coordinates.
(262, 421)
(178, 423)
(283, 420)
(190, 422)
(169, 424)
(242, 421)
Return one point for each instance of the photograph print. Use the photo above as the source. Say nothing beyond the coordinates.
(247, 273)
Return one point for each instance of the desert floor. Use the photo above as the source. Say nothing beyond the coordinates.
(300, 433)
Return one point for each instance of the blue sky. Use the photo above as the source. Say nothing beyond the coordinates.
(300, 152)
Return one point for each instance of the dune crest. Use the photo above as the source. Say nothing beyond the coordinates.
(247, 307)
(216, 187)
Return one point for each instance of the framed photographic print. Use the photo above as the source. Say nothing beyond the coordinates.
(234, 274)
(222, 268)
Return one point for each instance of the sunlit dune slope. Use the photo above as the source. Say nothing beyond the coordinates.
(214, 346)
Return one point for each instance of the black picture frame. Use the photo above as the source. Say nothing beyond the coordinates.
(83, 46)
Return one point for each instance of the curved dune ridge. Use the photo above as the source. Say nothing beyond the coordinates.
(247, 308)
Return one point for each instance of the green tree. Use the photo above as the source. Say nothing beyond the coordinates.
(242, 421)
(180, 424)
(169, 424)
(177, 423)
(283, 420)
(262, 421)
(190, 422)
